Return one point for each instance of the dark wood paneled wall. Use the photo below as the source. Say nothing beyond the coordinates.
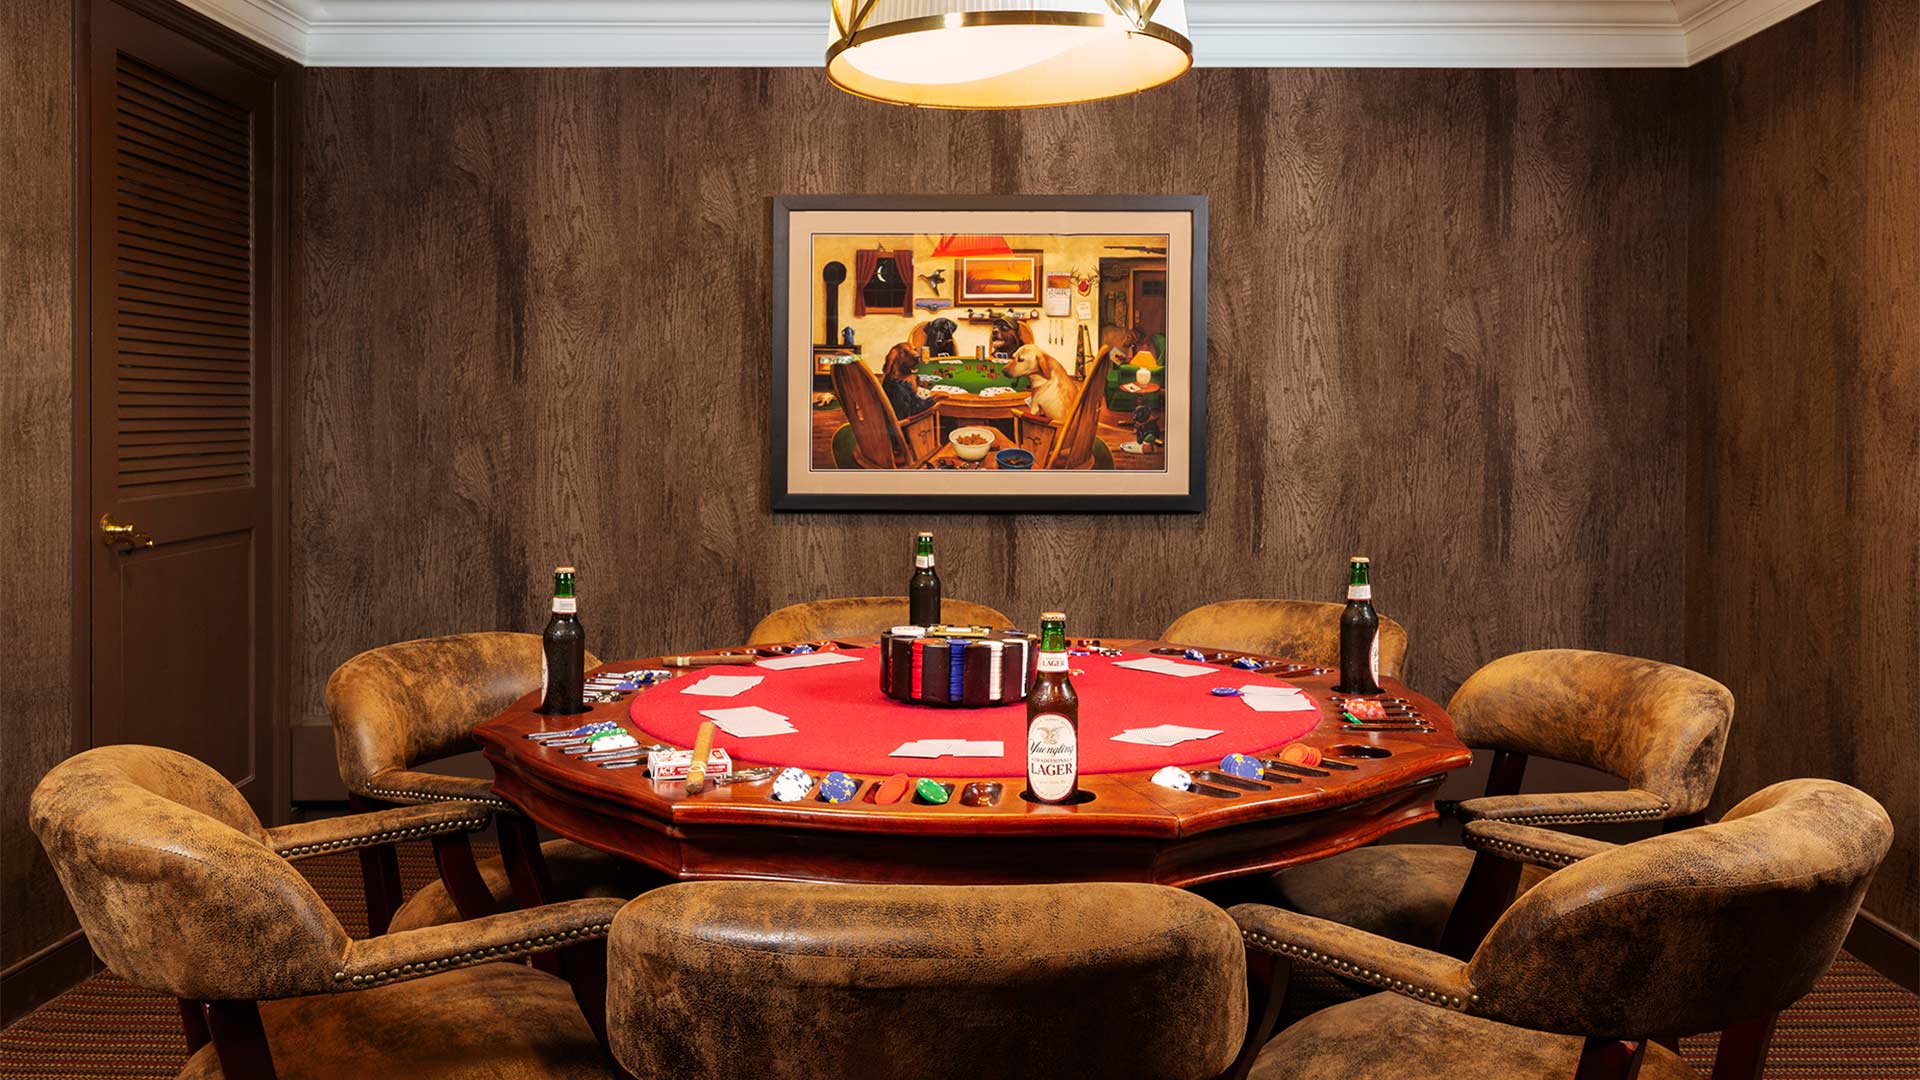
(36, 464)
(1804, 465)
(1445, 332)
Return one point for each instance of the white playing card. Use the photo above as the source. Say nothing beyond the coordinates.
(724, 685)
(926, 748)
(1160, 665)
(807, 660)
(749, 721)
(980, 749)
(1277, 699)
(1165, 735)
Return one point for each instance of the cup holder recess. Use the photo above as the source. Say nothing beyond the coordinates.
(1359, 750)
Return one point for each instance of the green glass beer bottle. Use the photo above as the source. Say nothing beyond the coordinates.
(1359, 633)
(1053, 719)
(923, 589)
(563, 651)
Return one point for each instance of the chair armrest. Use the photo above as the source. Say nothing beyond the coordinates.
(1527, 844)
(377, 828)
(1405, 969)
(410, 786)
(429, 950)
(1566, 808)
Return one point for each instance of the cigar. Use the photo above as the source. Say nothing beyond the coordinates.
(702, 746)
(705, 661)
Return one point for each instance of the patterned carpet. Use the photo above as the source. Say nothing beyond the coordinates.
(1855, 1024)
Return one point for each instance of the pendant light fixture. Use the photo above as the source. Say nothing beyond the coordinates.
(1005, 54)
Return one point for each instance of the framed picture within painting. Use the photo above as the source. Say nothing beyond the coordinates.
(1037, 354)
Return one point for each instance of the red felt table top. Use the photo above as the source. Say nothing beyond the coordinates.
(845, 723)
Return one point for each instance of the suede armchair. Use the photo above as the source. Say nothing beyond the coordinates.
(786, 981)
(399, 706)
(1660, 728)
(1305, 630)
(1715, 928)
(860, 616)
(181, 890)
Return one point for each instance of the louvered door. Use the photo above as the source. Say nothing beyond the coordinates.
(181, 277)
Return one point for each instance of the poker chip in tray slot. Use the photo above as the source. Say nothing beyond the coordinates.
(956, 665)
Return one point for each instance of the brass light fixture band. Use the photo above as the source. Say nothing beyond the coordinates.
(930, 23)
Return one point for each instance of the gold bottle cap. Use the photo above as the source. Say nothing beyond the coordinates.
(1053, 616)
(563, 569)
(1361, 558)
(926, 536)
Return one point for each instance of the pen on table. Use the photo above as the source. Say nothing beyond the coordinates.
(704, 661)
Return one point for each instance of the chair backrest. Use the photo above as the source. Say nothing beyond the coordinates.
(1073, 440)
(1660, 727)
(876, 430)
(857, 616)
(1690, 931)
(415, 701)
(805, 980)
(173, 881)
(1306, 630)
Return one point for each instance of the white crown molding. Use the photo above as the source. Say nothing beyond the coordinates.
(792, 33)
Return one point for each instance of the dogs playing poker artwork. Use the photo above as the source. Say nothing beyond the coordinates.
(1041, 359)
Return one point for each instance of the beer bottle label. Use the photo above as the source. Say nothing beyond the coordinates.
(1359, 592)
(922, 562)
(566, 605)
(1053, 757)
(1051, 661)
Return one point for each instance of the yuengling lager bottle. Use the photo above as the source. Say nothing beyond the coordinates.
(923, 590)
(563, 651)
(1053, 719)
(1359, 634)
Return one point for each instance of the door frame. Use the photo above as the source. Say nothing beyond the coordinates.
(287, 78)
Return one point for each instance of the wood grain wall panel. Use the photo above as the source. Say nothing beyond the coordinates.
(36, 447)
(1804, 466)
(1442, 333)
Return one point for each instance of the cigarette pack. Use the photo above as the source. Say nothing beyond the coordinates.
(675, 764)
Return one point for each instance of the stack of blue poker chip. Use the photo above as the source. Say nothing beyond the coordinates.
(1247, 662)
(956, 670)
(1243, 766)
(1194, 654)
(838, 787)
(1225, 691)
(800, 650)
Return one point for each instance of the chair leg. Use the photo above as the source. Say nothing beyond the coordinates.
(240, 1040)
(379, 874)
(193, 1024)
(1743, 1049)
(1489, 891)
(465, 887)
(527, 870)
(1268, 977)
(1610, 1059)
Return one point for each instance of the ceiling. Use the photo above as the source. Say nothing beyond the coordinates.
(792, 33)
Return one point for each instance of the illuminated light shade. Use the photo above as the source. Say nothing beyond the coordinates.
(1005, 54)
(969, 245)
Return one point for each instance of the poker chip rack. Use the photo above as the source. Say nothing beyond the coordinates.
(1373, 777)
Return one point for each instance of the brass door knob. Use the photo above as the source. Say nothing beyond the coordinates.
(113, 533)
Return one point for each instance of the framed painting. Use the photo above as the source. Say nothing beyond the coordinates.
(1040, 354)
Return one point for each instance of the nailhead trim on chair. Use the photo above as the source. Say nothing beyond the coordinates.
(392, 795)
(1334, 963)
(1579, 818)
(411, 832)
(1521, 851)
(492, 952)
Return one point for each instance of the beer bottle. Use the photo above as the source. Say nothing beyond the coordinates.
(923, 591)
(1359, 634)
(563, 651)
(1053, 720)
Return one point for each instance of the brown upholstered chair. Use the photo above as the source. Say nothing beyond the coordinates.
(785, 980)
(858, 616)
(1659, 727)
(1069, 443)
(1716, 928)
(399, 706)
(180, 890)
(882, 440)
(1305, 630)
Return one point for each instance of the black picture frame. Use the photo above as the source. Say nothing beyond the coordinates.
(1192, 500)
